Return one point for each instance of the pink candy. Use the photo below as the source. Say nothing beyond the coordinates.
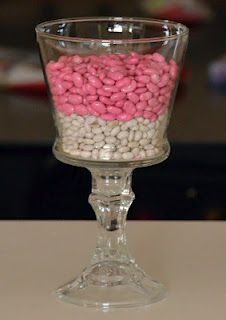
(113, 86)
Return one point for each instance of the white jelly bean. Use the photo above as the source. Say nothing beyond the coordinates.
(110, 139)
(138, 135)
(115, 131)
(123, 149)
(99, 144)
(122, 135)
(98, 137)
(85, 154)
(127, 155)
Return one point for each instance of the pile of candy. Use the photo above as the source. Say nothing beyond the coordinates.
(105, 102)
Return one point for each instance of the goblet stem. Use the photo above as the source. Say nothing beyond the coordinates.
(112, 279)
(111, 198)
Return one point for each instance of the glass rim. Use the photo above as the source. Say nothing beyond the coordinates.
(184, 30)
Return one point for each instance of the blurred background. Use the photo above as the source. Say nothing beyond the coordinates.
(191, 184)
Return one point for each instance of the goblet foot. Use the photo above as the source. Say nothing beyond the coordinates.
(112, 284)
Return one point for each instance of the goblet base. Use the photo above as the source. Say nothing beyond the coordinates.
(112, 284)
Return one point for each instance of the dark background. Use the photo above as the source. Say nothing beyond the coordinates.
(191, 184)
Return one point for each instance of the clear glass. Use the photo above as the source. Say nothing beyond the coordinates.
(112, 83)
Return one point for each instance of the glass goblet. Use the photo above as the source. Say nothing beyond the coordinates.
(112, 83)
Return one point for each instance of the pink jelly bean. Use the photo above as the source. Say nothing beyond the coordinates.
(105, 100)
(116, 75)
(158, 57)
(60, 99)
(141, 105)
(117, 68)
(67, 84)
(52, 66)
(108, 81)
(73, 90)
(133, 60)
(124, 117)
(63, 59)
(92, 112)
(155, 78)
(145, 96)
(138, 114)
(152, 87)
(120, 104)
(114, 110)
(102, 76)
(129, 107)
(58, 89)
(143, 79)
(148, 71)
(148, 56)
(81, 70)
(104, 93)
(161, 111)
(147, 114)
(162, 99)
(77, 67)
(139, 72)
(165, 90)
(77, 79)
(67, 109)
(90, 89)
(75, 99)
(131, 72)
(166, 67)
(117, 96)
(153, 102)
(173, 72)
(158, 108)
(99, 107)
(94, 81)
(91, 70)
(133, 97)
(81, 110)
(153, 117)
(131, 87)
(140, 90)
(108, 116)
(77, 59)
(92, 98)
(67, 77)
(123, 82)
(110, 88)
(79, 91)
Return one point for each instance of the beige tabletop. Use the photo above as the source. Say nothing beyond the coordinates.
(188, 257)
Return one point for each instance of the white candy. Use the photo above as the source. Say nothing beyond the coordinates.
(131, 136)
(99, 145)
(85, 154)
(122, 135)
(87, 147)
(88, 141)
(123, 149)
(115, 131)
(137, 136)
(124, 142)
(133, 144)
(127, 156)
(110, 139)
(117, 156)
(144, 142)
(97, 130)
(98, 137)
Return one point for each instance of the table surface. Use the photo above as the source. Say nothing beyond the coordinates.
(38, 256)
